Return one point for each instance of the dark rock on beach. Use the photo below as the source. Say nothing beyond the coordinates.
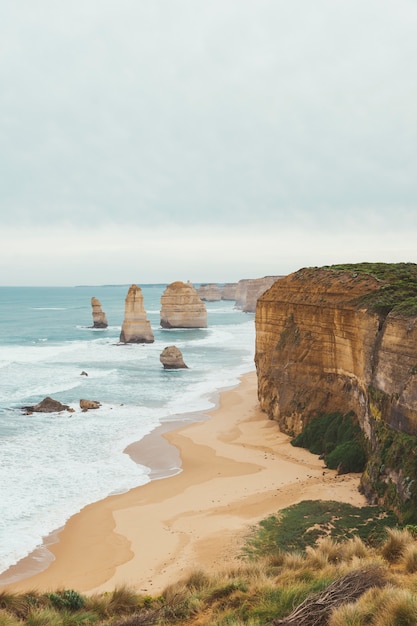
(48, 405)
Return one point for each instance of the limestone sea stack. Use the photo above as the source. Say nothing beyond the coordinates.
(135, 328)
(99, 317)
(210, 292)
(228, 291)
(172, 359)
(182, 308)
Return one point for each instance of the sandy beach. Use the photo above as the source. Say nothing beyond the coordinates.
(236, 469)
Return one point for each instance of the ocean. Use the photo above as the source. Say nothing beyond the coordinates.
(52, 465)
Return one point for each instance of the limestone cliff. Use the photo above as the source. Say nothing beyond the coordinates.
(135, 328)
(255, 287)
(209, 293)
(321, 347)
(181, 307)
(228, 291)
(99, 317)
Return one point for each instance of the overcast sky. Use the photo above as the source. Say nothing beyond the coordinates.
(205, 140)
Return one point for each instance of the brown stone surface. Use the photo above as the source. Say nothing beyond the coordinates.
(182, 308)
(86, 405)
(171, 358)
(209, 293)
(47, 405)
(99, 317)
(228, 291)
(136, 328)
(255, 287)
(317, 351)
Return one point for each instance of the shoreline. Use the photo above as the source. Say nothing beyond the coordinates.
(237, 468)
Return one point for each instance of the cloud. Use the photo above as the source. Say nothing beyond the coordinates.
(261, 114)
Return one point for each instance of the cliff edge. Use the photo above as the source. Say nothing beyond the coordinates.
(341, 339)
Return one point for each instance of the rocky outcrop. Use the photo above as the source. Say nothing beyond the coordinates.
(254, 288)
(321, 349)
(248, 291)
(99, 317)
(86, 405)
(171, 358)
(209, 293)
(48, 405)
(240, 293)
(228, 291)
(136, 328)
(182, 308)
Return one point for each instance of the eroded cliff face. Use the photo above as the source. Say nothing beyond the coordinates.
(318, 351)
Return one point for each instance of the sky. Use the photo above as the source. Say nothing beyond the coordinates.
(147, 141)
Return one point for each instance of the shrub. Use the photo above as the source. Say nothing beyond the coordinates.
(67, 599)
(394, 547)
(338, 437)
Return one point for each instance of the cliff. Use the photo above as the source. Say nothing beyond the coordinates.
(210, 292)
(331, 340)
(181, 307)
(255, 287)
(228, 291)
(135, 328)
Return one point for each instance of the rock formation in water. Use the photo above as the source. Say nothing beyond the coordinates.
(99, 317)
(248, 291)
(255, 287)
(209, 293)
(182, 308)
(135, 328)
(86, 405)
(332, 340)
(171, 358)
(240, 293)
(228, 291)
(47, 405)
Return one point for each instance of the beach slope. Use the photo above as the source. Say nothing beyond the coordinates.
(237, 468)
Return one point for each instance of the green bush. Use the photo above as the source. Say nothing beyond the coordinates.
(338, 437)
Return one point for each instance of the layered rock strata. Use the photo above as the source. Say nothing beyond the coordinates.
(172, 359)
(209, 293)
(181, 307)
(255, 287)
(99, 317)
(228, 291)
(136, 328)
(319, 351)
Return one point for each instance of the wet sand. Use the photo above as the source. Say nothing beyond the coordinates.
(211, 481)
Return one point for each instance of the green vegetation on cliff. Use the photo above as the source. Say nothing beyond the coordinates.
(398, 289)
(338, 438)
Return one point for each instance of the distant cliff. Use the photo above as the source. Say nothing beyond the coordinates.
(345, 339)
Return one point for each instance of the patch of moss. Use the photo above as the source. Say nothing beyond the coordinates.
(398, 290)
(302, 524)
(394, 459)
(338, 438)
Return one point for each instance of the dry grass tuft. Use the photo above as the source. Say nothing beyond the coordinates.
(396, 543)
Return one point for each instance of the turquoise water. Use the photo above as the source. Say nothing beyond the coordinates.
(52, 465)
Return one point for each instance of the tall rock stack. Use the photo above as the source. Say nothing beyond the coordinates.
(229, 291)
(99, 317)
(210, 292)
(136, 328)
(182, 308)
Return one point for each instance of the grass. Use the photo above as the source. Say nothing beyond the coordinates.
(278, 577)
(398, 290)
(302, 524)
